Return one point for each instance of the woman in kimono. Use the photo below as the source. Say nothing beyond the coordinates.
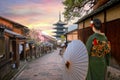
(99, 52)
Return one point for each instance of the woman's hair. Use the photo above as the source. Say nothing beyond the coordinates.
(97, 24)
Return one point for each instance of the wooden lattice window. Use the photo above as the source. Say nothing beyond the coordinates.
(2, 48)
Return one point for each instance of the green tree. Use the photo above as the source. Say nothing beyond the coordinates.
(74, 8)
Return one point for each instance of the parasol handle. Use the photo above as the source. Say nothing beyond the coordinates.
(67, 64)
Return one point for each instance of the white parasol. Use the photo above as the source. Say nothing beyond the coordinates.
(75, 61)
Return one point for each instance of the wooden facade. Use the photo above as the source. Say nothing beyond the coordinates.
(109, 14)
(72, 35)
(113, 34)
(13, 36)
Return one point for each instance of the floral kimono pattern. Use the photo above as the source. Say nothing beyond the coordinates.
(100, 48)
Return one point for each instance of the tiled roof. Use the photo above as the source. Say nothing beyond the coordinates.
(14, 23)
(109, 4)
(15, 34)
(60, 23)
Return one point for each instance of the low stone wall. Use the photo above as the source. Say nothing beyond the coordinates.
(113, 74)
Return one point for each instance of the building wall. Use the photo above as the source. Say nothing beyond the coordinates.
(100, 16)
(83, 34)
(72, 35)
(75, 35)
(69, 37)
(87, 22)
(113, 13)
(80, 34)
(80, 25)
(2, 46)
(113, 35)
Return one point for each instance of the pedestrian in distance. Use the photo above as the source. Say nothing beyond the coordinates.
(63, 47)
(99, 52)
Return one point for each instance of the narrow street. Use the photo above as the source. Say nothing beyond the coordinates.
(47, 67)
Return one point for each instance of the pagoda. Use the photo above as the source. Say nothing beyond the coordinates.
(60, 29)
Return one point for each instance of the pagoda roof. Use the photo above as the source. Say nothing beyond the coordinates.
(60, 23)
(57, 36)
(59, 27)
(59, 31)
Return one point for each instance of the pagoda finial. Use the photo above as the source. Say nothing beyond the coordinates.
(59, 16)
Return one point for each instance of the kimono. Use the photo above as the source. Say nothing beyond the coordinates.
(98, 60)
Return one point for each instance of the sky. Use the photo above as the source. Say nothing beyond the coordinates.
(37, 14)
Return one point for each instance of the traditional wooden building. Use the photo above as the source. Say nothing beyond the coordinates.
(109, 14)
(108, 11)
(51, 40)
(72, 35)
(12, 44)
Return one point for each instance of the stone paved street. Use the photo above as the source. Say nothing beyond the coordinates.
(48, 67)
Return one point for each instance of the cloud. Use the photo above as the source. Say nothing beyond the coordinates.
(40, 14)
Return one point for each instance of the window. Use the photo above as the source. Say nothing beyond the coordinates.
(2, 48)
